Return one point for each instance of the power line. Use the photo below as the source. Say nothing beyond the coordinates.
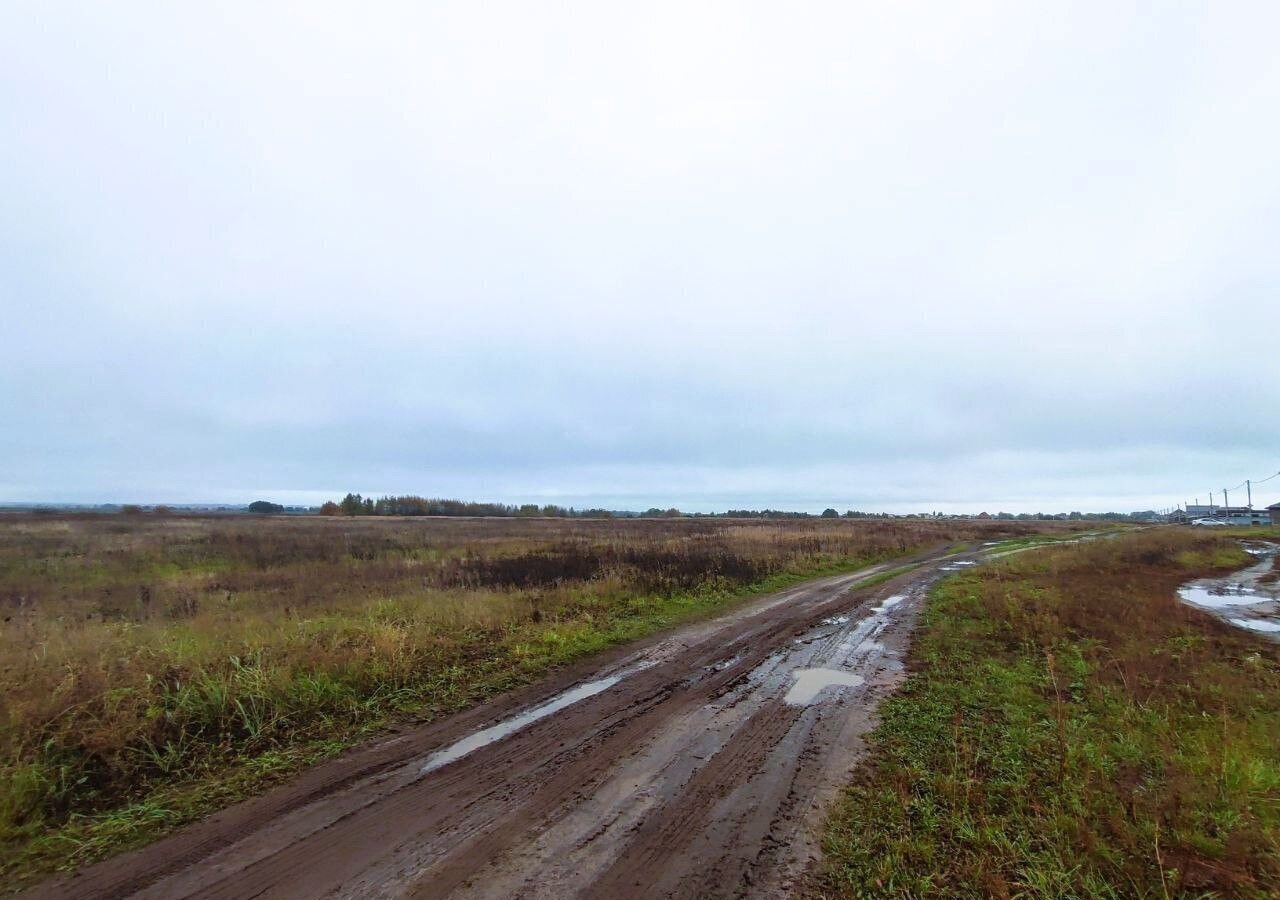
(1248, 484)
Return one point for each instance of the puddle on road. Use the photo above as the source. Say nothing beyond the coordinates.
(810, 682)
(1257, 624)
(1218, 596)
(1243, 588)
(888, 603)
(507, 727)
(1251, 601)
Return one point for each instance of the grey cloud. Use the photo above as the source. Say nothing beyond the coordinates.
(903, 256)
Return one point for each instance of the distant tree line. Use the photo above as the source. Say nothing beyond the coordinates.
(828, 513)
(265, 508)
(411, 505)
(654, 513)
(765, 514)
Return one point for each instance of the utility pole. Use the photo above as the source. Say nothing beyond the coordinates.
(1226, 505)
(1248, 486)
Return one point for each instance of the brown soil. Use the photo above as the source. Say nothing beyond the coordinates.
(692, 776)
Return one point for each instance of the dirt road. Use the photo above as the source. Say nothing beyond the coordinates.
(695, 764)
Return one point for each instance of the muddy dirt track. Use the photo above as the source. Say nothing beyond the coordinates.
(694, 764)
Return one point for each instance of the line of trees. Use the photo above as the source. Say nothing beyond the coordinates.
(411, 505)
(764, 514)
(265, 508)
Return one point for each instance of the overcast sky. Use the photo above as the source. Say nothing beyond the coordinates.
(894, 255)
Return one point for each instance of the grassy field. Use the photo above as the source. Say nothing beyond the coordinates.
(152, 668)
(1071, 729)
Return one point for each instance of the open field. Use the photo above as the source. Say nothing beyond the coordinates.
(1072, 730)
(156, 668)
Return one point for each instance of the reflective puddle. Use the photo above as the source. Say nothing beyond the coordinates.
(1243, 588)
(810, 682)
(888, 603)
(483, 738)
(1257, 624)
(1249, 598)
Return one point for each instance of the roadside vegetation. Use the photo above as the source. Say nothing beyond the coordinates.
(1070, 729)
(154, 668)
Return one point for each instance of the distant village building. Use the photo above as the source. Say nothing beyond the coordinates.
(1199, 512)
(1231, 515)
(1191, 512)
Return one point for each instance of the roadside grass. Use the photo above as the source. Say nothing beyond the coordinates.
(122, 719)
(1262, 532)
(1070, 729)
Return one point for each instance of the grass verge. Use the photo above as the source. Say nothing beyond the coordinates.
(1071, 730)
